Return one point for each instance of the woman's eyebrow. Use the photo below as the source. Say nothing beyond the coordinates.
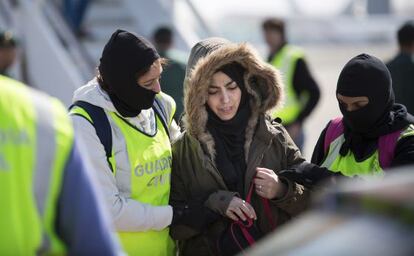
(217, 87)
(152, 79)
(361, 100)
(146, 82)
(229, 83)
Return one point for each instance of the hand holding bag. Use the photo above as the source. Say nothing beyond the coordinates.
(239, 235)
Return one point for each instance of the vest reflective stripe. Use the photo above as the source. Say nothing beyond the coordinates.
(334, 149)
(408, 132)
(285, 60)
(169, 108)
(31, 185)
(348, 166)
(44, 164)
(146, 180)
(64, 136)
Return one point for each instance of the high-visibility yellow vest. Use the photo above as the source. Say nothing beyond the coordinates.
(147, 178)
(285, 60)
(36, 137)
(348, 166)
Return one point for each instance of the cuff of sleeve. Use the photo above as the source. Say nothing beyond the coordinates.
(289, 191)
(219, 201)
(162, 217)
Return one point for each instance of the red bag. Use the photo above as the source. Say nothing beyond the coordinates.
(242, 234)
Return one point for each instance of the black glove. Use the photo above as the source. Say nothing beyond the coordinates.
(196, 216)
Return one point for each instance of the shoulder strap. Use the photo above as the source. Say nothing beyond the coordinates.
(334, 130)
(386, 148)
(160, 110)
(101, 124)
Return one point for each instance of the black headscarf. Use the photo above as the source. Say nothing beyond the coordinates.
(123, 57)
(366, 75)
(229, 136)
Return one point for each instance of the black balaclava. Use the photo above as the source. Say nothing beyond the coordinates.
(123, 57)
(366, 75)
(229, 136)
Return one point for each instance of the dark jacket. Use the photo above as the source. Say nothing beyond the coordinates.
(195, 177)
(402, 73)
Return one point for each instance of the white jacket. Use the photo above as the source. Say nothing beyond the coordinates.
(128, 214)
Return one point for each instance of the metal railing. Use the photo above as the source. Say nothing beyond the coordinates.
(77, 52)
(6, 20)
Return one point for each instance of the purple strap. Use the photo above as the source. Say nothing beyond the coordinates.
(334, 130)
(386, 143)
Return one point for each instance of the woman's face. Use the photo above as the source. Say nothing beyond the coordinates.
(151, 79)
(223, 96)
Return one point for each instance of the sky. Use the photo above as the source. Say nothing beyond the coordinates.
(315, 8)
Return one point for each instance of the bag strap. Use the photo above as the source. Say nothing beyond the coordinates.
(248, 200)
(266, 207)
(334, 130)
(243, 227)
(246, 235)
(101, 124)
(268, 212)
(386, 148)
(249, 194)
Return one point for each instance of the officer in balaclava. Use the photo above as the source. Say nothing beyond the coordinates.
(127, 123)
(374, 133)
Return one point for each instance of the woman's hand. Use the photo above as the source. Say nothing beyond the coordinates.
(238, 210)
(268, 184)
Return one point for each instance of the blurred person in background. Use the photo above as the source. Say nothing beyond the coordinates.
(74, 12)
(8, 51)
(374, 133)
(174, 71)
(127, 123)
(402, 67)
(301, 90)
(49, 202)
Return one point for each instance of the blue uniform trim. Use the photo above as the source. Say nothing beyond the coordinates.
(82, 222)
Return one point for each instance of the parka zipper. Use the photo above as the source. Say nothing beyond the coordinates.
(257, 161)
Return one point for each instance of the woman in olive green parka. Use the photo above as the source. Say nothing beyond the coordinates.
(228, 85)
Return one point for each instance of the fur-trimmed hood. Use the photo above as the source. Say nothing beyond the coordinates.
(263, 83)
